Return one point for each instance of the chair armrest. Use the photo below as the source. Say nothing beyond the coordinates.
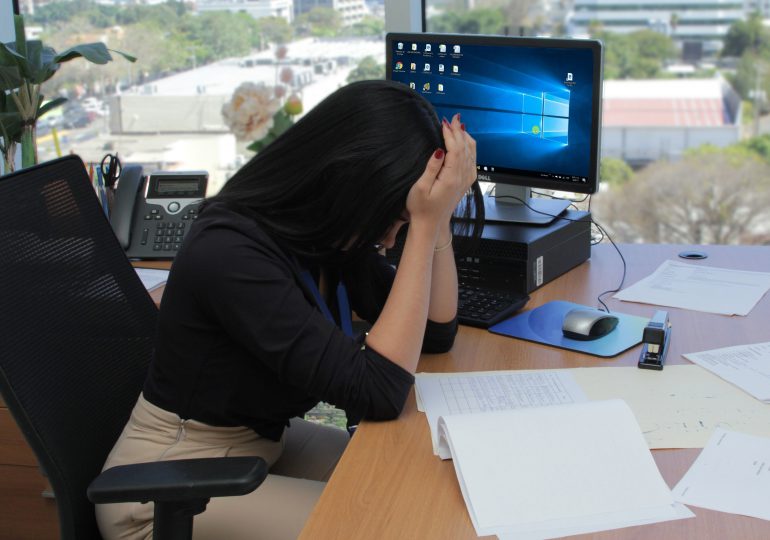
(178, 480)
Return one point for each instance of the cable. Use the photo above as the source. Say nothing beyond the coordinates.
(601, 230)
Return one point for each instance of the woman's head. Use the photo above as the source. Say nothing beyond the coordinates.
(338, 179)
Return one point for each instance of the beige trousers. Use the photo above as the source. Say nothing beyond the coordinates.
(299, 466)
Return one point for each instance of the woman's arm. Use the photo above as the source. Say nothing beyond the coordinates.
(398, 332)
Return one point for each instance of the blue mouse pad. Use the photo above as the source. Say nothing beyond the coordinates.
(543, 325)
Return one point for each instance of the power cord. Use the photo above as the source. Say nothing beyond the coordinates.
(604, 234)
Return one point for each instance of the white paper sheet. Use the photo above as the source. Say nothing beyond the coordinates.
(700, 288)
(152, 277)
(442, 394)
(732, 474)
(745, 366)
(551, 471)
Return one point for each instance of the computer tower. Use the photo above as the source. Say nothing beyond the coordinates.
(520, 258)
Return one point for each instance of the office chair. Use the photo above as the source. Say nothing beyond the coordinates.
(78, 329)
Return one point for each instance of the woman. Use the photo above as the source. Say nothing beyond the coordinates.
(248, 337)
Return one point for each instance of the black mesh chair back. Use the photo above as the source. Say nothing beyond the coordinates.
(77, 327)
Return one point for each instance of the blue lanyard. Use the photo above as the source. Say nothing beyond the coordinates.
(346, 322)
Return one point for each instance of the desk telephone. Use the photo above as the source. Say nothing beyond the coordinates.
(152, 214)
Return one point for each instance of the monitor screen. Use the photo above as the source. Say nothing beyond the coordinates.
(532, 104)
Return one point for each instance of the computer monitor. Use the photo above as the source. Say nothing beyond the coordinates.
(532, 104)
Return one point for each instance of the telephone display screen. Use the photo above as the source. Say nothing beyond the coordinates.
(177, 186)
(164, 186)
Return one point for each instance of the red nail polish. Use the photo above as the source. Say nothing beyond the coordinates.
(462, 126)
(458, 116)
(438, 154)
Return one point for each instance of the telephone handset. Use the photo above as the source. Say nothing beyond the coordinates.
(152, 214)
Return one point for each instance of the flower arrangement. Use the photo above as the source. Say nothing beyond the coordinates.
(24, 66)
(261, 113)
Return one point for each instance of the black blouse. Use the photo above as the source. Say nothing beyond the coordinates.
(241, 341)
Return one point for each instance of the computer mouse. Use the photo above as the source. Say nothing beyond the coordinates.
(588, 323)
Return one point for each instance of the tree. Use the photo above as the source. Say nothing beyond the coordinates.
(474, 21)
(614, 171)
(743, 36)
(638, 55)
(368, 26)
(274, 29)
(711, 195)
(319, 22)
(367, 69)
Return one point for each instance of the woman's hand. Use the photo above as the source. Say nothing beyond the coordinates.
(446, 179)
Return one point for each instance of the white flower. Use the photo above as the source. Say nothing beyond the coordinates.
(249, 114)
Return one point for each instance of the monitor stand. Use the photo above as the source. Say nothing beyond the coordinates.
(504, 203)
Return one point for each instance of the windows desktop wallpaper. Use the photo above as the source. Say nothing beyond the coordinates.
(529, 108)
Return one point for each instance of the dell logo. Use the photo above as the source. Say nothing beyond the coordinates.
(484, 177)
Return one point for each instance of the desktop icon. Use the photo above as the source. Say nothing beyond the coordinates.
(441, 68)
(440, 87)
(399, 65)
(427, 67)
(412, 85)
(427, 47)
(400, 46)
(413, 66)
(455, 69)
(414, 46)
(442, 48)
(426, 87)
(569, 76)
(456, 49)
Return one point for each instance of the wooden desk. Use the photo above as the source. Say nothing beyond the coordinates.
(390, 485)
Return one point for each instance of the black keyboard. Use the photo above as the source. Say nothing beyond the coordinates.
(484, 307)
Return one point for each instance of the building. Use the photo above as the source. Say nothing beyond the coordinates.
(701, 21)
(351, 11)
(647, 120)
(256, 8)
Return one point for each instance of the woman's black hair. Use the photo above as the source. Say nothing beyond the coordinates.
(333, 183)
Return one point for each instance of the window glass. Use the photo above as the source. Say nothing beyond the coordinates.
(166, 110)
(685, 153)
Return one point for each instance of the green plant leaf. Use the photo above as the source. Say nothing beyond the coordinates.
(9, 57)
(10, 78)
(127, 56)
(93, 52)
(21, 35)
(50, 105)
(97, 52)
(281, 122)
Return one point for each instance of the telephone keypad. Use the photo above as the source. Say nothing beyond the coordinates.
(169, 231)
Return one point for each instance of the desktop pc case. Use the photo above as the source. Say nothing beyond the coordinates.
(520, 258)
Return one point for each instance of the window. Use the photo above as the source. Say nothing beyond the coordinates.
(165, 110)
(685, 155)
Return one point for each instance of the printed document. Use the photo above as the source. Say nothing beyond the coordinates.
(442, 394)
(746, 366)
(732, 474)
(678, 407)
(554, 471)
(700, 288)
(152, 278)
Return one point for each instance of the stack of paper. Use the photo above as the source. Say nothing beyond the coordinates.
(746, 366)
(554, 471)
(442, 394)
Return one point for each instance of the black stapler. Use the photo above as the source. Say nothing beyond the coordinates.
(655, 341)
